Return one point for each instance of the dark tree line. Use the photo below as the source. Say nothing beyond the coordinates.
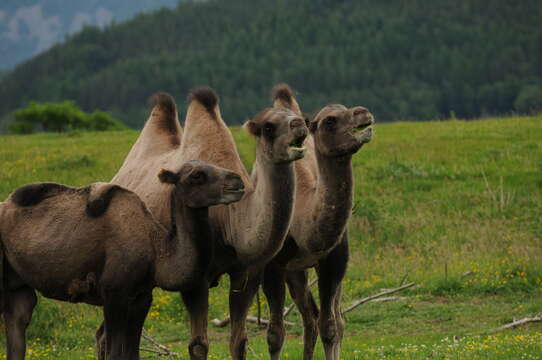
(415, 59)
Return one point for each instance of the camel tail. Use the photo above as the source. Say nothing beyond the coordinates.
(206, 97)
(283, 93)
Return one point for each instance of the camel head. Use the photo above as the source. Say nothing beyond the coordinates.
(339, 131)
(201, 184)
(280, 134)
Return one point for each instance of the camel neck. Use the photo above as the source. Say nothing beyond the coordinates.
(268, 211)
(184, 255)
(334, 196)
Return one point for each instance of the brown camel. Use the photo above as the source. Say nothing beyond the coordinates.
(318, 234)
(100, 245)
(246, 235)
(158, 146)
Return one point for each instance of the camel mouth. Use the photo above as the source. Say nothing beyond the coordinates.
(362, 127)
(235, 190)
(297, 144)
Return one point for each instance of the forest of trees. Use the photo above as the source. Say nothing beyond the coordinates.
(404, 60)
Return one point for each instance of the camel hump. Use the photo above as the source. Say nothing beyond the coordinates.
(284, 96)
(167, 119)
(283, 92)
(33, 194)
(100, 196)
(206, 97)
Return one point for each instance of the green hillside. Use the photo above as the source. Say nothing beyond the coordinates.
(454, 206)
(415, 60)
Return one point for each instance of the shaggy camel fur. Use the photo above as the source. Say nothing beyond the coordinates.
(100, 245)
(318, 236)
(249, 233)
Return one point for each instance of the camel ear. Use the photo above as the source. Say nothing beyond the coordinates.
(312, 125)
(168, 177)
(252, 128)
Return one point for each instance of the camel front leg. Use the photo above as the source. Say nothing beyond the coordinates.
(18, 307)
(100, 342)
(331, 271)
(136, 319)
(116, 328)
(274, 290)
(302, 296)
(243, 287)
(197, 305)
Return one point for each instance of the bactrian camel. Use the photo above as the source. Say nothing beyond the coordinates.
(318, 233)
(246, 235)
(159, 146)
(100, 245)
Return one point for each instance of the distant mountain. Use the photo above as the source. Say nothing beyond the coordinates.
(28, 27)
(404, 60)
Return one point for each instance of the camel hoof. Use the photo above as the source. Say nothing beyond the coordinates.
(198, 349)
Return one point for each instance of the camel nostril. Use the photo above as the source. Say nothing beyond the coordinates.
(297, 122)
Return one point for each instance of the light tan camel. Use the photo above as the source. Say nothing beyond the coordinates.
(318, 234)
(249, 233)
(100, 245)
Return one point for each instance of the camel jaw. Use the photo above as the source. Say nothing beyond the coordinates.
(297, 152)
(364, 132)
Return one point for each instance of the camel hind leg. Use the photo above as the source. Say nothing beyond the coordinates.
(274, 290)
(302, 296)
(18, 307)
(243, 287)
(331, 271)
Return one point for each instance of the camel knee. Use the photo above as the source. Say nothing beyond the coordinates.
(275, 338)
(239, 349)
(198, 348)
(329, 332)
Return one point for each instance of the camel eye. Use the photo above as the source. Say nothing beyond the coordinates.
(198, 176)
(268, 128)
(330, 122)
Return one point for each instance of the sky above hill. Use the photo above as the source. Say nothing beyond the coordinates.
(28, 27)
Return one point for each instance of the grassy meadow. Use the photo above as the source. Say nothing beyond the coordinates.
(454, 206)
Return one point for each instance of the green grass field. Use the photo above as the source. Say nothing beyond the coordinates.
(454, 206)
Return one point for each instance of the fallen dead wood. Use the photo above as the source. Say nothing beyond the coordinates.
(516, 323)
(357, 303)
(389, 298)
(162, 349)
(252, 319)
(376, 298)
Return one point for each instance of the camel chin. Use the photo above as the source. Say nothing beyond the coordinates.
(296, 153)
(231, 196)
(364, 136)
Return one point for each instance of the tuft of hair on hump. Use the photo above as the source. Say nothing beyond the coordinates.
(166, 103)
(206, 97)
(33, 194)
(283, 92)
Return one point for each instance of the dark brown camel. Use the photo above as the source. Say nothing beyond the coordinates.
(318, 234)
(100, 245)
